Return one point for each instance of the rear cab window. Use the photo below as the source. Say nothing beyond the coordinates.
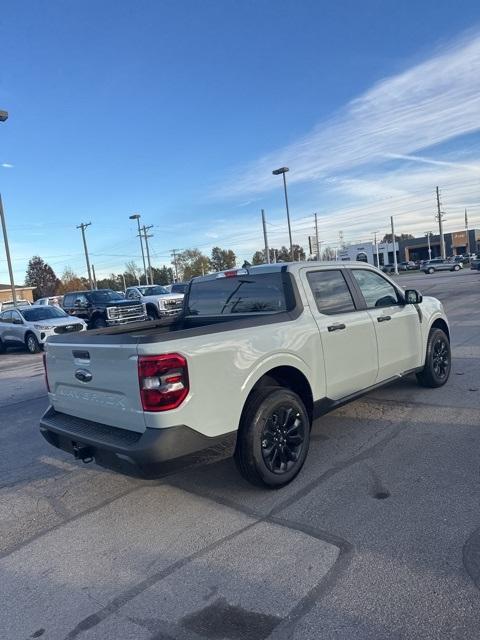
(257, 293)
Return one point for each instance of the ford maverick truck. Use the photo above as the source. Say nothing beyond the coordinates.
(256, 355)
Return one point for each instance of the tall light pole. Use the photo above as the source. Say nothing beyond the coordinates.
(283, 171)
(439, 216)
(83, 226)
(395, 264)
(376, 247)
(136, 216)
(3, 118)
(428, 234)
(265, 239)
(316, 237)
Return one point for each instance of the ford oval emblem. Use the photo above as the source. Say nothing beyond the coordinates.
(83, 375)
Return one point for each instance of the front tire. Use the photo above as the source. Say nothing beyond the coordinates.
(438, 361)
(32, 343)
(99, 323)
(456, 268)
(152, 313)
(431, 270)
(273, 437)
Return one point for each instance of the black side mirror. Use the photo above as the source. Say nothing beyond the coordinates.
(412, 296)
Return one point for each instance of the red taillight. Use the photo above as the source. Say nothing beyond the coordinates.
(163, 381)
(45, 369)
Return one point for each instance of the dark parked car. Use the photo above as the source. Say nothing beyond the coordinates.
(103, 308)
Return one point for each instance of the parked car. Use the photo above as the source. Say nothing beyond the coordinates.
(10, 304)
(388, 268)
(438, 264)
(475, 264)
(407, 265)
(103, 308)
(32, 325)
(255, 356)
(157, 300)
(55, 301)
(458, 260)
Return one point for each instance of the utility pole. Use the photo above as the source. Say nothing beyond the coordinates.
(316, 237)
(124, 283)
(395, 264)
(7, 253)
(467, 232)
(265, 238)
(94, 277)
(83, 226)
(174, 254)
(439, 216)
(136, 216)
(146, 236)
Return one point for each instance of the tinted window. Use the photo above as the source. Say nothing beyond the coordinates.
(16, 316)
(375, 289)
(68, 300)
(179, 288)
(156, 290)
(330, 291)
(259, 293)
(104, 295)
(6, 316)
(44, 313)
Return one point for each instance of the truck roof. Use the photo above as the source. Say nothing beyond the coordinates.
(291, 267)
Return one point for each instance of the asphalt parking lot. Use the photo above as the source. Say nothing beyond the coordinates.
(379, 536)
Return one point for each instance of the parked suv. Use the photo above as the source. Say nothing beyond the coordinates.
(103, 308)
(158, 301)
(438, 264)
(32, 325)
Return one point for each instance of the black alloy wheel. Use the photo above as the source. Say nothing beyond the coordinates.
(438, 360)
(282, 438)
(273, 437)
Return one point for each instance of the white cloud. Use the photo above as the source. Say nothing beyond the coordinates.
(6, 165)
(430, 103)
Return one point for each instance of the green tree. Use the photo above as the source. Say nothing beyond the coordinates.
(258, 257)
(42, 276)
(163, 276)
(222, 259)
(191, 263)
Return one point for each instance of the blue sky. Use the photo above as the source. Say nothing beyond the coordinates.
(180, 110)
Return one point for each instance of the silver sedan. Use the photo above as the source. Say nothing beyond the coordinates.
(31, 326)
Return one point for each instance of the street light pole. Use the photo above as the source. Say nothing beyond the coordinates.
(265, 239)
(136, 216)
(316, 237)
(283, 171)
(395, 263)
(428, 234)
(376, 248)
(3, 118)
(7, 253)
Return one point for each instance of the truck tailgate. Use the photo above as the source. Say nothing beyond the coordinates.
(97, 382)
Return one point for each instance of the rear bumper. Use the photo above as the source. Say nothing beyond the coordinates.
(153, 446)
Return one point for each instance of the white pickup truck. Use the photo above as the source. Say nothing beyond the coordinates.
(158, 300)
(256, 355)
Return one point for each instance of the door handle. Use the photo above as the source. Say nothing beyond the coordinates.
(336, 327)
(384, 318)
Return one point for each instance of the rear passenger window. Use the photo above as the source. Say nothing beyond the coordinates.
(330, 291)
(68, 301)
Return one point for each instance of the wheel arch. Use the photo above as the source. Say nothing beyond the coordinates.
(440, 323)
(289, 377)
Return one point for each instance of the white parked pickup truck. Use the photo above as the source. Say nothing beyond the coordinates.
(256, 355)
(158, 300)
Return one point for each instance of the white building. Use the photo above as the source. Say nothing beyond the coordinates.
(367, 252)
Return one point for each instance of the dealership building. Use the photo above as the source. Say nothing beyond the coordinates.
(23, 293)
(456, 243)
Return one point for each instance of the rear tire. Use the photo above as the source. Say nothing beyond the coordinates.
(438, 360)
(431, 270)
(273, 437)
(32, 343)
(3, 348)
